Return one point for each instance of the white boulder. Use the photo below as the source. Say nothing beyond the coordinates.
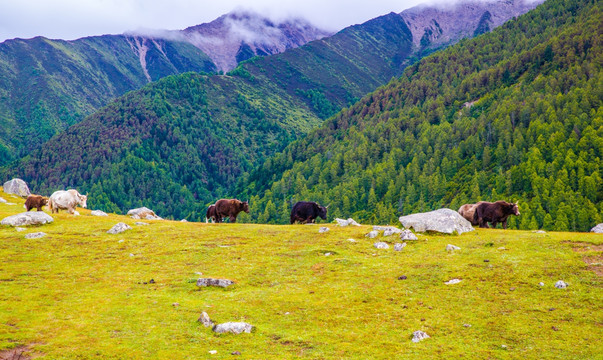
(17, 187)
(27, 218)
(442, 220)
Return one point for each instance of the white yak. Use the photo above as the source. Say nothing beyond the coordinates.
(66, 200)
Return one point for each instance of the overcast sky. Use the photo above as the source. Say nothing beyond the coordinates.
(72, 19)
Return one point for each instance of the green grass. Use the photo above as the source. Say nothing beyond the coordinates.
(78, 293)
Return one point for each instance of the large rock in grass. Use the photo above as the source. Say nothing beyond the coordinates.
(17, 187)
(143, 213)
(214, 282)
(28, 218)
(597, 229)
(119, 228)
(445, 221)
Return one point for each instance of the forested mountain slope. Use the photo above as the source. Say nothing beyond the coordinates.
(514, 114)
(47, 85)
(182, 142)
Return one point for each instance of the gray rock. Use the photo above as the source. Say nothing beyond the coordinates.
(451, 247)
(143, 213)
(19, 229)
(419, 336)
(389, 229)
(233, 327)
(372, 234)
(539, 231)
(381, 245)
(98, 213)
(323, 229)
(35, 235)
(560, 284)
(183, 220)
(399, 247)
(214, 282)
(140, 223)
(445, 221)
(349, 221)
(408, 235)
(17, 187)
(389, 232)
(205, 320)
(119, 228)
(28, 218)
(597, 229)
(2, 200)
(541, 284)
(452, 282)
(352, 240)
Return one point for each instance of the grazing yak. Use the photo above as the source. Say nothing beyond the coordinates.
(35, 201)
(307, 212)
(494, 212)
(211, 213)
(229, 208)
(66, 200)
(467, 212)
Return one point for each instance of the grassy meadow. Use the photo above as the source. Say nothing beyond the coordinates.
(80, 293)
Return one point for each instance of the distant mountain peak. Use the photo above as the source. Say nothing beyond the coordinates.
(241, 34)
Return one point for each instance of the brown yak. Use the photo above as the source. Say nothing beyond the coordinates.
(35, 201)
(230, 208)
(467, 212)
(494, 212)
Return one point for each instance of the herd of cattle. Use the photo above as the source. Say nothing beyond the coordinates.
(303, 212)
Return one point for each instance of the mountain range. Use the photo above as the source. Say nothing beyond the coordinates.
(179, 143)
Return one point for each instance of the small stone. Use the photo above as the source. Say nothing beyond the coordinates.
(451, 247)
(151, 281)
(403, 277)
(235, 353)
(390, 232)
(131, 255)
(2, 200)
(539, 231)
(554, 328)
(408, 235)
(323, 229)
(120, 241)
(35, 235)
(352, 240)
(372, 234)
(504, 347)
(502, 248)
(214, 282)
(551, 309)
(213, 352)
(399, 247)
(233, 327)
(541, 283)
(512, 289)
(452, 282)
(98, 213)
(422, 319)
(419, 336)
(119, 228)
(205, 320)
(381, 245)
(486, 260)
(560, 284)
(176, 304)
(467, 325)
(19, 229)
(183, 220)
(140, 223)
(328, 254)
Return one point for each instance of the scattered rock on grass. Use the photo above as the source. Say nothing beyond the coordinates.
(16, 187)
(214, 282)
(451, 247)
(205, 320)
(597, 229)
(560, 284)
(541, 283)
(352, 240)
(98, 213)
(235, 353)
(467, 325)
(233, 327)
(27, 218)
(381, 245)
(19, 229)
(452, 282)
(403, 277)
(141, 223)
(372, 234)
(213, 352)
(442, 220)
(35, 235)
(323, 229)
(2, 200)
(408, 235)
(419, 336)
(119, 228)
(143, 213)
(349, 221)
(399, 247)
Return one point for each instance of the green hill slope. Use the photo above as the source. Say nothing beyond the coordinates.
(183, 141)
(80, 293)
(513, 114)
(47, 85)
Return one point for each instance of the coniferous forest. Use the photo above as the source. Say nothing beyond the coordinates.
(514, 114)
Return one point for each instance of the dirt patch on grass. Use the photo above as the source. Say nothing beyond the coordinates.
(595, 263)
(580, 246)
(18, 353)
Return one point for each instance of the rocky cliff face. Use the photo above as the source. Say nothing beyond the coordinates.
(435, 26)
(240, 35)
